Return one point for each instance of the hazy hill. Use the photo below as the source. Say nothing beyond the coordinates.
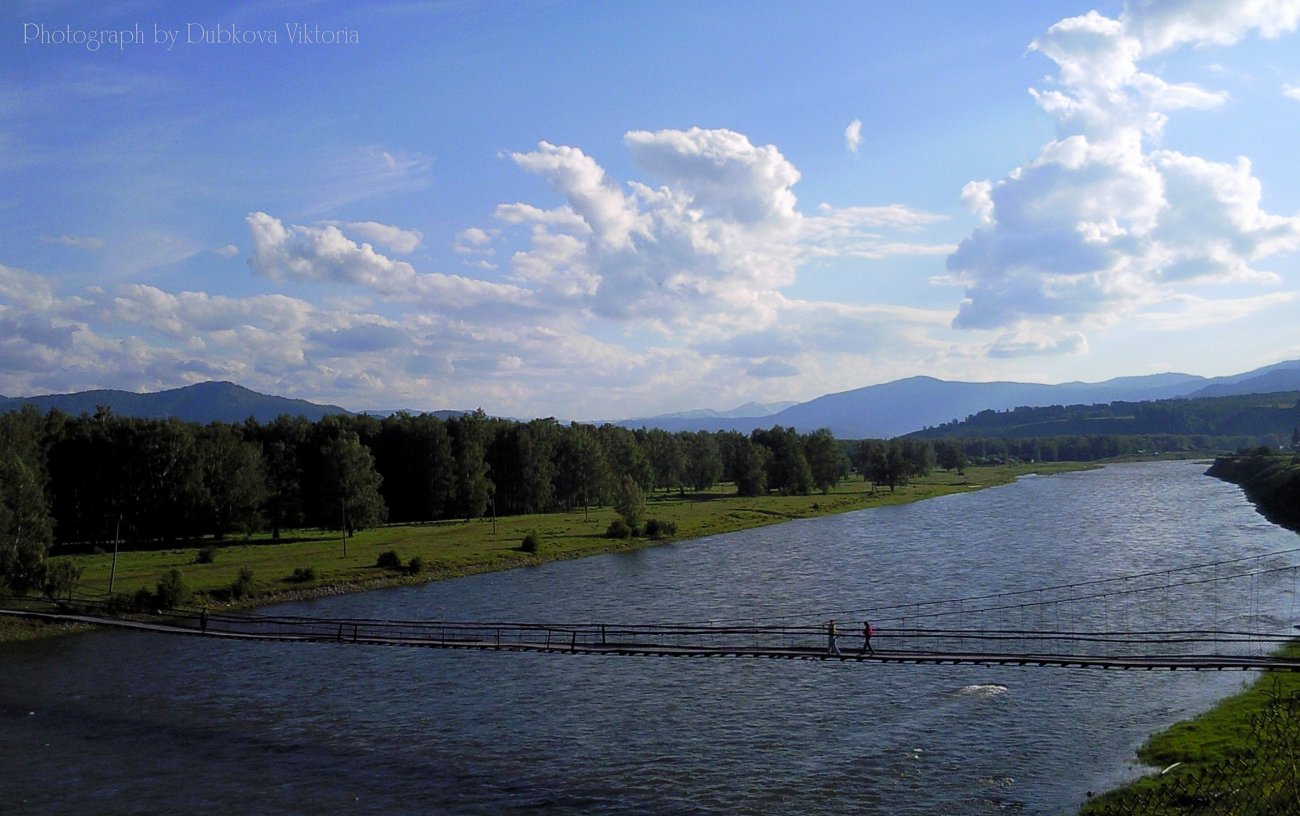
(202, 403)
(1241, 415)
(902, 406)
(877, 411)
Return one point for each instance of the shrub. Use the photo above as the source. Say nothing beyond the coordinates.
(172, 591)
(415, 566)
(389, 559)
(118, 603)
(243, 586)
(659, 528)
(61, 579)
(618, 528)
(531, 543)
(206, 555)
(302, 575)
(144, 601)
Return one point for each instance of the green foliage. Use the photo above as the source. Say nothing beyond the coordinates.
(26, 525)
(629, 502)
(302, 575)
(415, 566)
(1271, 482)
(531, 543)
(826, 460)
(171, 591)
(61, 579)
(389, 559)
(349, 485)
(659, 528)
(243, 586)
(1249, 415)
(206, 555)
(618, 528)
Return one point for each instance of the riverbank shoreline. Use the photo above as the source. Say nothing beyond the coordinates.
(457, 549)
(1226, 750)
(1239, 747)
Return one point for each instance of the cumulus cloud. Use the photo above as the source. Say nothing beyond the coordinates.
(701, 245)
(325, 254)
(396, 239)
(1164, 24)
(853, 136)
(1291, 92)
(1100, 223)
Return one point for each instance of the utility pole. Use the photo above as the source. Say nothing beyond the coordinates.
(117, 534)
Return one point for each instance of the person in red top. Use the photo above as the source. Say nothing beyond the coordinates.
(867, 632)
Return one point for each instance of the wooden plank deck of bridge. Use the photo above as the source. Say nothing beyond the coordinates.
(881, 657)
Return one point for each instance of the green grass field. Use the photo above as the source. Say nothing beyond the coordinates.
(455, 548)
(1241, 756)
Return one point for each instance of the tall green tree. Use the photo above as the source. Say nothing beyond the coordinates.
(667, 460)
(469, 435)
(703, 460)
(826, 459)
(751, 468)
(349, 485)
(787, 467)
(234, 480)
(582, 471)
(629, 502)
(26, 526)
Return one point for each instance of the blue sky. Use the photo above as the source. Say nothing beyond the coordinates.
(598, 210)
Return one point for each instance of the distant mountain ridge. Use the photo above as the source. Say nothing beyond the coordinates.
(876, 411)
(903, 406)
(202, 403)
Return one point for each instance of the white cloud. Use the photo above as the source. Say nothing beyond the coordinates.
(704, 251)
(1165, 24)
(325, 254)
(1291, 92)
(723, 175)
(1099, 224)
(1025, 340)
(227, 251)
(853, 136)
(75, 241)
(402, 241)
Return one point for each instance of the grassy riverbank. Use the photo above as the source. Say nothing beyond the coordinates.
(1241, 757)
(449, 549)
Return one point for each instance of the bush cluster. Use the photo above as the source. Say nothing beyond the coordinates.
(660, 528)
(531, 543)
(243, 586)
(618, 528)
(206, 555)
(390, 560)
(302, 575)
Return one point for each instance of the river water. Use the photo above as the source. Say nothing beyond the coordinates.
(117, 722)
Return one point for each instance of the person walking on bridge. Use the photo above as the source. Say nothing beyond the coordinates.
(867, 632)
(831, 648)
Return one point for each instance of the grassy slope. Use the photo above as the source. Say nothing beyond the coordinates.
(1224, 734)
(1205, 744)
(450, 549)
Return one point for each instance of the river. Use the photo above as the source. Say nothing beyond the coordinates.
(125, 723)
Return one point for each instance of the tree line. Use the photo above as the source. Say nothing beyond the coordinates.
(1266, 418)
(101, 480)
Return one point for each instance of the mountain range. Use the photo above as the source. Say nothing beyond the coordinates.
(876, 411)
(202, 403)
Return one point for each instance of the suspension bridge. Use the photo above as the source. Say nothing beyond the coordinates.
(1230, 614)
